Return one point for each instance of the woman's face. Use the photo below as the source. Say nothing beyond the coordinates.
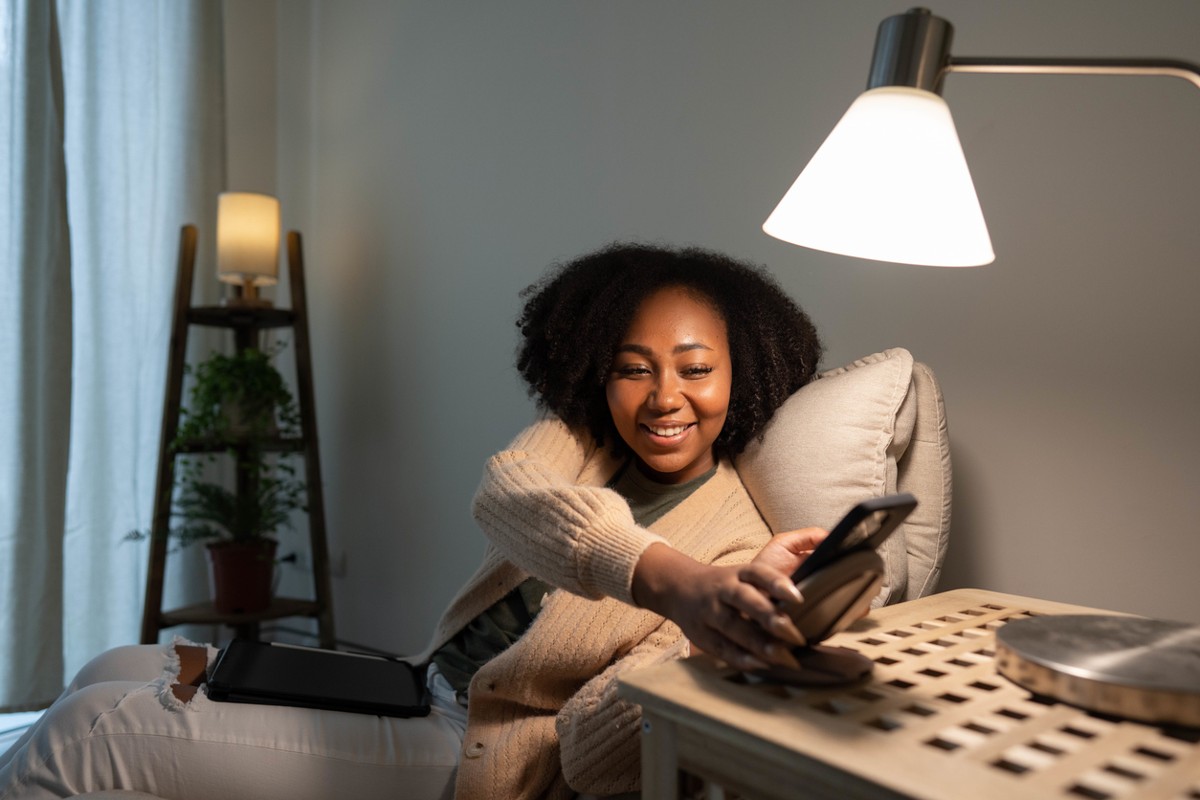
(668, 391)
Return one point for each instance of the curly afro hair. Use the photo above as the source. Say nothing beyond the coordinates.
(575, 317)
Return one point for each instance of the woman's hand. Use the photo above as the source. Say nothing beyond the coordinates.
(787, 551)
(732, 612)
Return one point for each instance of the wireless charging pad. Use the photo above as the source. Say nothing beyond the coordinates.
(834, 598)
(1142, 669)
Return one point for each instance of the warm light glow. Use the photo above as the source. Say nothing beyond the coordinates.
(891, 184)
(247, 238)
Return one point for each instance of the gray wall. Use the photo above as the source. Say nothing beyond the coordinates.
(438, 155)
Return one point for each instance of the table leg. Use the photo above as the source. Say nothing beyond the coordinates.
(660, 759)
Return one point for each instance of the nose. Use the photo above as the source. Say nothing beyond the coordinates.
(665, 396)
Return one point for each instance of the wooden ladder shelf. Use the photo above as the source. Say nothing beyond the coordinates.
(247, 323)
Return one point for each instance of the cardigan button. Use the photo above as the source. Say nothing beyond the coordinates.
(474, 750)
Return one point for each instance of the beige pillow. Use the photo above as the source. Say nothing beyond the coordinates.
(925, 470)
(832, 444)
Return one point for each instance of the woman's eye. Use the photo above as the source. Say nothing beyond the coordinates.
(696, 371)
(632, 370)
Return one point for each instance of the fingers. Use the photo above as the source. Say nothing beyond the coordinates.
(743, 644)
(728, 652)
(764, 597)
(738, 642)
(737, 613)
(746, 627)
(771, 584)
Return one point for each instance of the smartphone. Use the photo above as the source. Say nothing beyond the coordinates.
(864, 527)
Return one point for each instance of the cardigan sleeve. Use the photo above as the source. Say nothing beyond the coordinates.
(534, 505)
(600, 748)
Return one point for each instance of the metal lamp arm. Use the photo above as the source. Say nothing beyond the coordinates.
(1077, 66)
(913, 49)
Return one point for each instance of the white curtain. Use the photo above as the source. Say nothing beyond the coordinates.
(140, 91)
(35, 352)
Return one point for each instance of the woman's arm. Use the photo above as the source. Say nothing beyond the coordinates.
(578, 537)
(582, 538)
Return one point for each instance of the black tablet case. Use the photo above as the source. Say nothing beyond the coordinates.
(248, 671)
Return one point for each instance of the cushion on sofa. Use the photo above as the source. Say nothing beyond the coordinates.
(925, 471)
(873, 427)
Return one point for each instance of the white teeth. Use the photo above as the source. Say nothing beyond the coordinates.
(675, 431)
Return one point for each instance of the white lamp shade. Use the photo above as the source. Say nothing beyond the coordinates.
(891, 184)
(247, 238)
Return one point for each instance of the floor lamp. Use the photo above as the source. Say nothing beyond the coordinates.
(890, 183)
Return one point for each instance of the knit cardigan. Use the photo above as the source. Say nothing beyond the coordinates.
(544, 719)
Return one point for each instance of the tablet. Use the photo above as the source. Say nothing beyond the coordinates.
(271, 673)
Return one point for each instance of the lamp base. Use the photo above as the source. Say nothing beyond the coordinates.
(247, 302)
(246, 296)
(1133, 667)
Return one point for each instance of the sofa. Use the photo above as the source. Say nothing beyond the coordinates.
(873, 427)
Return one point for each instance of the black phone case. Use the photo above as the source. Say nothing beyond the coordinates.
(892, 509)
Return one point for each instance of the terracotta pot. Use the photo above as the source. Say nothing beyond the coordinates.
(247, 420)
(242, 575)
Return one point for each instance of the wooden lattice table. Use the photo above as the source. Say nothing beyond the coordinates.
(935, 720)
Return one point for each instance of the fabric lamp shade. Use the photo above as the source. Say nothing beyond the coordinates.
(890, 183)
(247, 238)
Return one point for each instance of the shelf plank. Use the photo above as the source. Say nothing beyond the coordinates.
(277, 445)
(205, 614)
(239, 317)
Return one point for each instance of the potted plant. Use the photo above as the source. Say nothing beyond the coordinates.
(238, 526)
(238, 399)
(239, 404)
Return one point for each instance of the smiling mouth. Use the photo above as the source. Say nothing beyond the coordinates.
(667, 431)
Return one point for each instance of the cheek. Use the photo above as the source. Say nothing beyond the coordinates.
(619, 401)
(714, 402)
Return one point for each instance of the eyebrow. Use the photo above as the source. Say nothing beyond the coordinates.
(642, 350)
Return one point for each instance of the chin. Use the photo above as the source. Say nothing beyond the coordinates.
(667, 470)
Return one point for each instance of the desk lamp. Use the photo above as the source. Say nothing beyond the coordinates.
(890, 183)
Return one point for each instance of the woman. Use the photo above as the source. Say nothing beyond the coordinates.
(618, 532)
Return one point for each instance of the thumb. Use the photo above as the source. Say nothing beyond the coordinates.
(800, 542)
(787, 550)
